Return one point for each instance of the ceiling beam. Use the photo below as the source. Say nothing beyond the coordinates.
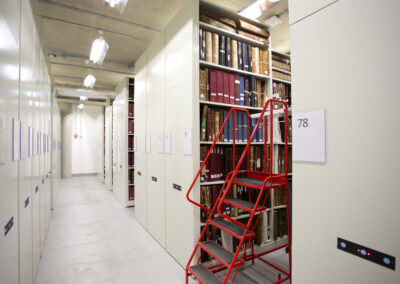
(91, 68)
(99, 15)
(93, 28)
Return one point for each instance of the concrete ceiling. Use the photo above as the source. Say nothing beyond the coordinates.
(68, 27)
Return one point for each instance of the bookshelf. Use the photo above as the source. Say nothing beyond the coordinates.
(131, 142)
(168, 102)
(271, 232)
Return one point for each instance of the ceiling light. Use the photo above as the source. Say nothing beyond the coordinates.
(273, 21)
(80, 106)
(253, 11)
(118, 4)
(99, 50)
(83, 98)
(89, 82)
(274, 1)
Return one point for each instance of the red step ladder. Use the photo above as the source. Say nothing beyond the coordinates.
(262, 182)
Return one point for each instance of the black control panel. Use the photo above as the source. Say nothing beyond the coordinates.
(36, 189)
(177, 187)
(139, 173)
(154, 179)
(27, 202)
(367, 253)
(8, 226)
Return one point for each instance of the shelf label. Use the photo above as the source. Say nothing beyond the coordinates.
(309, 141)
(187, 141)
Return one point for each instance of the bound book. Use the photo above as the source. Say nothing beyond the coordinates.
(222, 50)
(264, 64)
(245, 57)
(249, 52)
(240, 55)
(130, 127)
(232, 100)
(216, 123)
(202, 52)
(220, 86)
(209, 125)
(245, 26)
(215, 48)
(228, 45)
(209, 52)
(237, 89)
(131, 109)
(226, 88)
(203, 85)
(234, 46)
(250, 35)
(246, 92)
(221, 122)
(226, 128)
(230, 127)
(253, 96)
(213, 86)
(203, 132)
(242, 96)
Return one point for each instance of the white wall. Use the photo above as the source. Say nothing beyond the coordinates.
(345, 58)
(83, 150)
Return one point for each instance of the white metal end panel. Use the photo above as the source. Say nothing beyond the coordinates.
(181, 113)
(9, 84)
(141, 201)
(155, 122)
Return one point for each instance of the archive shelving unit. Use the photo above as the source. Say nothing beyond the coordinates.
(167, 108)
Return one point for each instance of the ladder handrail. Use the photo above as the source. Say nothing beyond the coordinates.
(235, 171)
(212, 147)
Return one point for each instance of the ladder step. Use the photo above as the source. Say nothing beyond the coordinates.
(203, 274)
(218, 252)
(241, 204)
(251, 182)
(230, 227)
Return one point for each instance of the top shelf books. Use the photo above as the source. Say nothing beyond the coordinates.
(234, 45)
(281, 68)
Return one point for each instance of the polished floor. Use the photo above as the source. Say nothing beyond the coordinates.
(93, 239)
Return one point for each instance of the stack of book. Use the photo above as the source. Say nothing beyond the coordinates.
(280, 75)
(281, 62)
(222, 87)
(282, 91)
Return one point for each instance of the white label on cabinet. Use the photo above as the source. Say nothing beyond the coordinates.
(167, 141)
(309, 136)
(143, 144)
(187, 141)
(148, 143)
(15, 140)
(160, 137)
(2, 137)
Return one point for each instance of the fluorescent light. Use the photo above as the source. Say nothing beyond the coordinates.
(273, 21)
(99, 50)
(89, 82)
(253, 11)
(118, 4)
(83, 98)
(274, 1)
(80, 106)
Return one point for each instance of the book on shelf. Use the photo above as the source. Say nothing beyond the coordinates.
(281, 75)
(131, 109)
(131, 160)
(245, 53)
(131, 176)
(228, 53)
(130, 127)
(131, 192)
(130, 143)
(209, 17)
(215, 48)
(280, 61)
(204, 85)
(209, 47)
(264, 62)
(131, 95)
(234, 47)
(280, 227)
(202, 44)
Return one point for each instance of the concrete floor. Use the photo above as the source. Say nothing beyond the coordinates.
(93, 239)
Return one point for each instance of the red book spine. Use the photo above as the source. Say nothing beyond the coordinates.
(226, 88)
(220, 86)
(131, 193)
(237, 89)
(131, 109)
(231, 89)
(130, 127)
(213, 86)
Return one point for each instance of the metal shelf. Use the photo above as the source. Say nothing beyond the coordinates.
(230, 69)
(230, 106)
(282, 81)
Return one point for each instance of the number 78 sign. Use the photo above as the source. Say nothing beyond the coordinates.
(309, 136)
